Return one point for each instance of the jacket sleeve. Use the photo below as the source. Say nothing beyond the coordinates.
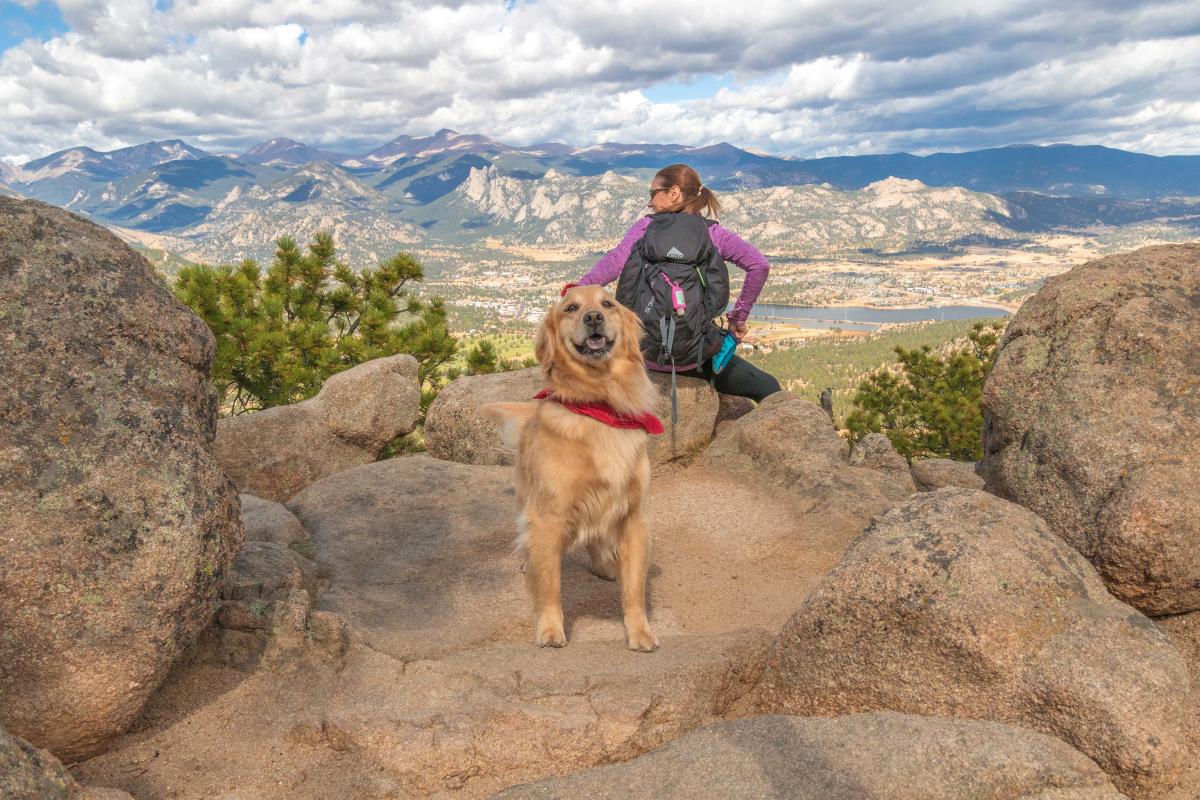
(608, 268)
(736, 249)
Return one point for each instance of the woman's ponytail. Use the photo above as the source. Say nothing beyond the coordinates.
(697, 198)
(706, 203)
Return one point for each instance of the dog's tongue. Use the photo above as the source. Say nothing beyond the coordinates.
(596, 342)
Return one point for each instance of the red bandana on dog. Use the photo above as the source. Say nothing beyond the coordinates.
(607, 414)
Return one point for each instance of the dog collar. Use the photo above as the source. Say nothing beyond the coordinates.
(607, 414)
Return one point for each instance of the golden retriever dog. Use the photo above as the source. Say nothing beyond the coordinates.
(581, 480)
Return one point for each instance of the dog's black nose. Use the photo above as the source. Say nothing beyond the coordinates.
(593, 319)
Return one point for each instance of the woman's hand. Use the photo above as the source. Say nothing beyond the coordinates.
(738, 329)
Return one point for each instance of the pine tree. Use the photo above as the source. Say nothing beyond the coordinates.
(482, 359)
(930, 405)
(282, 334)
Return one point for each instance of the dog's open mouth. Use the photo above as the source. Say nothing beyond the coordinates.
(595, 346)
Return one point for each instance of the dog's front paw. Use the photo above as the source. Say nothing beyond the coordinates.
(642, 640)
(550, 635)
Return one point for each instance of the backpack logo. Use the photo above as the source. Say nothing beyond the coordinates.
(674, 253)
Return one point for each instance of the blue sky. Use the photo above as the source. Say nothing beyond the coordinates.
(790, 77)
(692, 87)
(17, 23)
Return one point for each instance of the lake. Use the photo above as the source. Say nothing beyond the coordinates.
(861, 318)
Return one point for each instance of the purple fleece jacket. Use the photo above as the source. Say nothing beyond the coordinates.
(731, 247)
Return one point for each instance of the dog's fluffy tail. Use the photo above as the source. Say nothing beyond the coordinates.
(511, 417)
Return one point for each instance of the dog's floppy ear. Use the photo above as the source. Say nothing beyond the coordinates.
(631, 332)
(545, 341)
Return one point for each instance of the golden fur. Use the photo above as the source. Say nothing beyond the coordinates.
(578, 480)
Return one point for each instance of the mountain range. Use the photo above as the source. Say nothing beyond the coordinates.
(456, 190)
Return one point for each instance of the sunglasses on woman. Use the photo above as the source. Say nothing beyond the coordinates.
(656, 191)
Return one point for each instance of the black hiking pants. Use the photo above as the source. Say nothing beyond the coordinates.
(739, 378)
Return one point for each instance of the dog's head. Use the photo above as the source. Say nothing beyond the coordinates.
(589, 347)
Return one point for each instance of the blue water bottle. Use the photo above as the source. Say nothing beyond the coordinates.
(721, 359)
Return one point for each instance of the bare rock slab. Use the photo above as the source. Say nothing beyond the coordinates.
(454, 430)
(420, 554)
(503, 714)
(117, 522)
(1092, 420)
(883, 756)
(276, 452)
(369, 725)
(960, 604)
(935, 473)
(419, 557)
(269, 521)
(441, 690)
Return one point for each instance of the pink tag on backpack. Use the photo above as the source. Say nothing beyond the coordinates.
(678, 301)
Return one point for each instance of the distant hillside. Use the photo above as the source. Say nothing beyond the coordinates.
(563, 210)
(1029, 211)
(842, 364)
(455, 190)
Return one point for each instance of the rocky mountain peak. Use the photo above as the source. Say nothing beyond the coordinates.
(284, 152)
(320, 179)
(893, 185)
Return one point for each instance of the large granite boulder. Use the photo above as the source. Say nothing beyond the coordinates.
(268, 521)
(957, 603)
(882, 756)
(1092, 419)
(697, 404)
(729, 409)
(875, 451)
(788, 444)
(454, 430)
(935, 473)
(27, 773)
(277, 452)
(118, 522)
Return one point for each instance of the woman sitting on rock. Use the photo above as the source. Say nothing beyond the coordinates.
(677, 190)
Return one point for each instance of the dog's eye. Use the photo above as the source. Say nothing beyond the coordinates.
(571, 307)
(607, 304)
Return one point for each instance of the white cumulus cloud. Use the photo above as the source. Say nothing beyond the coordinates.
(801, 77)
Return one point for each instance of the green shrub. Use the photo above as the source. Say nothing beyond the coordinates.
(929, 405)
(281, 334)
